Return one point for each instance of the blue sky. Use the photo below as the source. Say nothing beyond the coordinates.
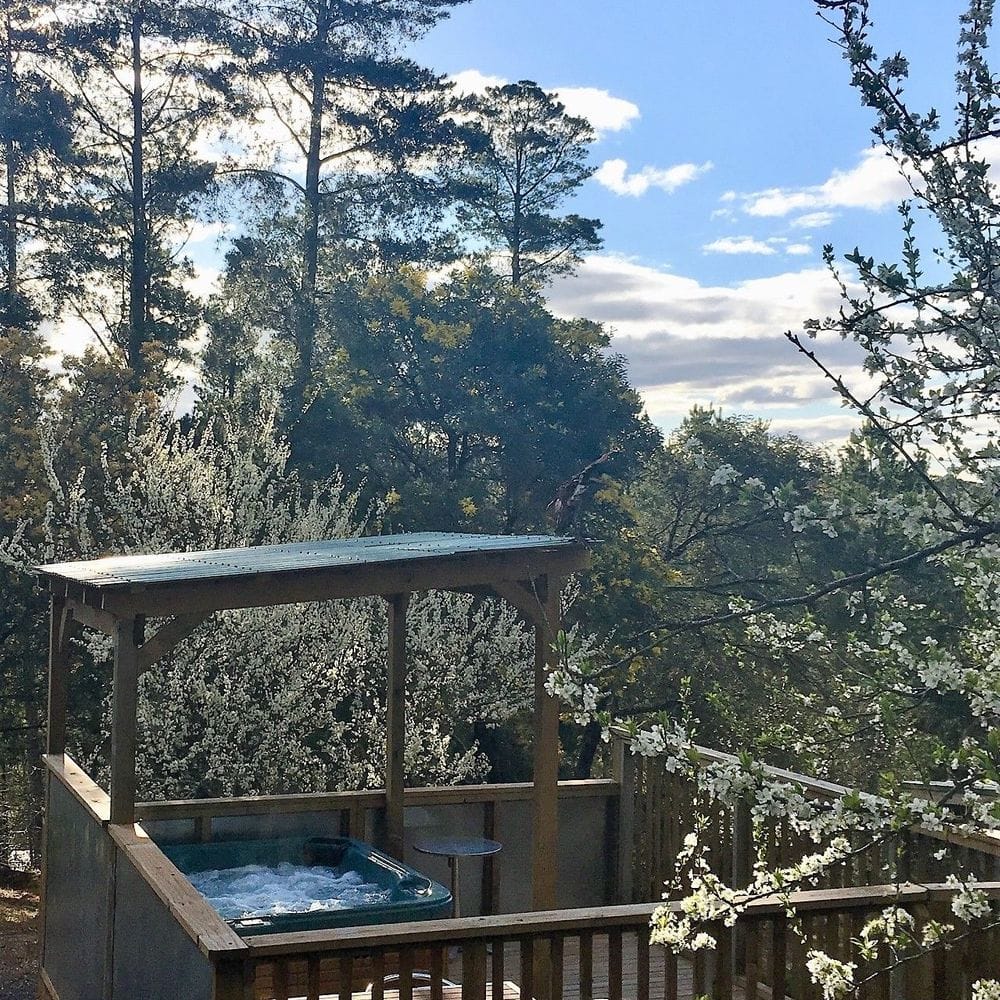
(731, 149)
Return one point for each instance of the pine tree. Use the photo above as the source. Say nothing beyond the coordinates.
(349, 125)
(35, 135)
(152, 84)
(532, 158)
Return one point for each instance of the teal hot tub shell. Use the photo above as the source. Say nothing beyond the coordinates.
(333, 882)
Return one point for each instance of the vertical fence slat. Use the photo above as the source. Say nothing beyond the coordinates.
(405, 975)
(857, 921)
(491, 866)
(671, 987)
(280, 980)
(437, 972)
(642, 963)
(378, 975)
(346, 976)
(496, 969)
(556, 958)
(751, 959)
(526, 946)
(233, 981)
(312, 978)
(473, 970)
(615, 964)
(779, 956)
(586, 966)
(699, 973)
(651, 812)
(723, 986)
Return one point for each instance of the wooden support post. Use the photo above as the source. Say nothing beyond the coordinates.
(234, 980)
(55, 735)
(128, 638)
(624, 774)
(395, 724)
(58, 677)
(491, 870)
(546, 772)
(743, 862)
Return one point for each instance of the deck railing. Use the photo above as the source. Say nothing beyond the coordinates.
(659, 808)
(605, 952)
(585, 953)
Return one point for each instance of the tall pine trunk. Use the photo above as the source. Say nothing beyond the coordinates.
(305, 333)
(140, 250)
(10, 161)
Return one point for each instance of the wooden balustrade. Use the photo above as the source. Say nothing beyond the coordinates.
(581, 954)
(664, 808)
(605, 953)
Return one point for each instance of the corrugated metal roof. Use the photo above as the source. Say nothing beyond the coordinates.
(116, 572)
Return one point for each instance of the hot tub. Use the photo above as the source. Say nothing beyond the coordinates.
(307, 883)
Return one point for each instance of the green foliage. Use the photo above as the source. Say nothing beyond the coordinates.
(35, 137)
(148, 82)
(476, 403)
(345, 166)
(513, 182)
(24, 383)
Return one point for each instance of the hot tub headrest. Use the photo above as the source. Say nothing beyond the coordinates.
(328, 851)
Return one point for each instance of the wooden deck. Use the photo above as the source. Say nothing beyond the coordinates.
(658, 958)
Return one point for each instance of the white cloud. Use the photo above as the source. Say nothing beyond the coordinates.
(70, 335)
(830, 428)
(687, 343)
(739, 245)
(724, 213)
(471, 81)
(614, 175)
(204, 281)
(873, 184)
(604, 111)
(814, 220)
(641, 301)
(798, 249)
(205, 232)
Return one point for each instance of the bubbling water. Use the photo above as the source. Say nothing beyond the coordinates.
(262, 890)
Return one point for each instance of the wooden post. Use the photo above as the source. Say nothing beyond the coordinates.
(55, 742)
(743, 862)
(58, 678)
(624, 774)
(234, 980)
(128, 638)
(395, 733)
(546, 772)
(491, 870)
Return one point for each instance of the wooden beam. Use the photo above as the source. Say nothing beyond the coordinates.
(624, 771)
(55, 742)
(523, 596)
(545, 828)
(361, 801)
(80, 785)
(169, 635)
(91, 617)
(124, 696)
(395, 730)
(269, 590)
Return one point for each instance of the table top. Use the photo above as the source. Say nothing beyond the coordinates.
(456, 847)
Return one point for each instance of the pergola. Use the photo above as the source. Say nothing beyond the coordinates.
(179, 591)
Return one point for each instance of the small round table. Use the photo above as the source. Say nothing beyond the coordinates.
(454, 848)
